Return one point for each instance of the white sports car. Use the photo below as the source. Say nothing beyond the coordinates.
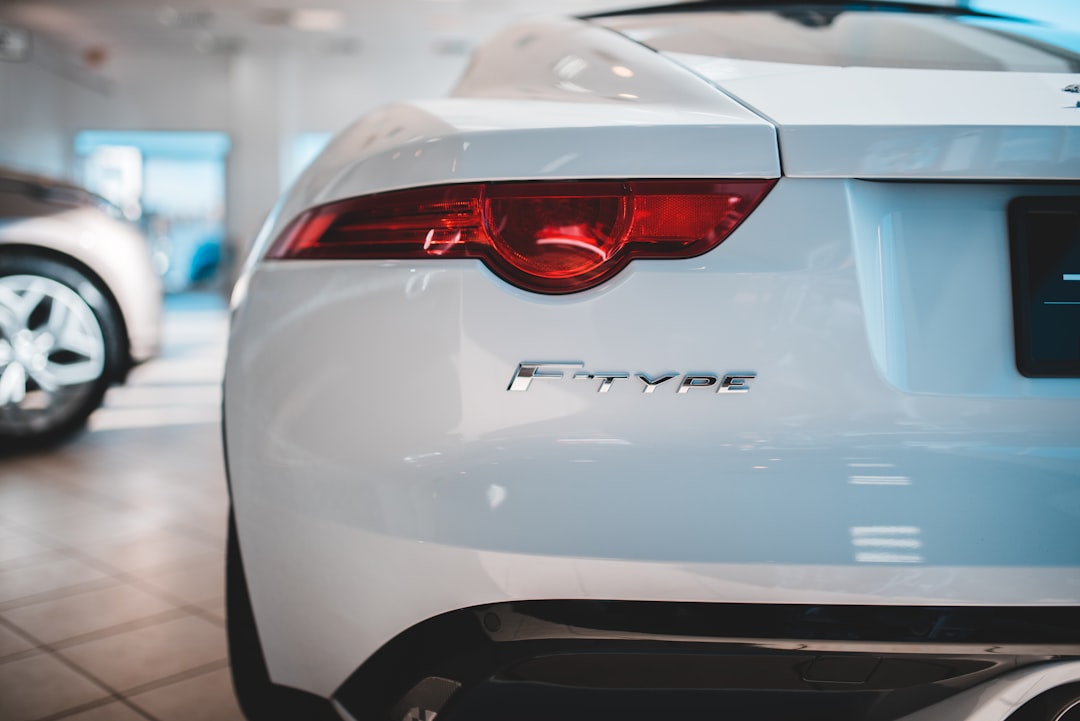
(80, 304)
(690, 362)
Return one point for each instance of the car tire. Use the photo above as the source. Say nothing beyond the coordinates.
(62, 343)
(260, 698)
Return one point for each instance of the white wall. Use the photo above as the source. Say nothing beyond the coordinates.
(41, 102)
(261, 100)
(275, 98)
(167, 92)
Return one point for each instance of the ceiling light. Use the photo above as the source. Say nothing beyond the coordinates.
(317, 20)
(172, 17)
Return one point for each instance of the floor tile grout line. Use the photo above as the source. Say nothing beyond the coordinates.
(180, 607)
(122, 575)
(68, 713)
(134, 624)
(78, 492)
(138, 709)
(123, 696)
(142, 584)
(186, 675)
(179, 528)
(191, 607)
(20, 655)
(29, 638)
(126, 697)
(113, 694)
(31, 559)
(120, 505)
(58, 593)
(35, 537)
(213, 605)
(130, 579)
(163, 594)
(198, 611)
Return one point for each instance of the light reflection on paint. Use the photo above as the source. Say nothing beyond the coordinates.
(883, 544)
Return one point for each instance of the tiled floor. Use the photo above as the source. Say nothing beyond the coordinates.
(112, 549)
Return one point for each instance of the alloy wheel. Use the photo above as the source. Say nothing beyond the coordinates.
(52, 353)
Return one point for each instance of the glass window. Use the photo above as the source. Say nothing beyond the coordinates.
(848, 38)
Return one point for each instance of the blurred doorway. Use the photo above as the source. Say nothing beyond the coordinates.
(172, 184)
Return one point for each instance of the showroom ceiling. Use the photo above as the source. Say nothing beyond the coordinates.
(106, 29)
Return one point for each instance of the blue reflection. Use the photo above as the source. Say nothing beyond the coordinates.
(1045, 31)
(1062, 14)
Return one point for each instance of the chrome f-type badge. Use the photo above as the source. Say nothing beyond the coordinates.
(523, 376)
(529, 371)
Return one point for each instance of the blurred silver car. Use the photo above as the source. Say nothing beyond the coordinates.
(80, 304)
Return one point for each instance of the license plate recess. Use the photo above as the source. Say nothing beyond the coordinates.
(1044, 239)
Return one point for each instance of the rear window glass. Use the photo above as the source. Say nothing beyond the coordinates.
(850, 38)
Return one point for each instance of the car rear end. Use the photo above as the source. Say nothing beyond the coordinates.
(637, 378)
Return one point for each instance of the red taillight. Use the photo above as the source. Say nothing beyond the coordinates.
(548, 237)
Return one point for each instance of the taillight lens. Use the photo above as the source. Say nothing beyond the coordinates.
(547, 237)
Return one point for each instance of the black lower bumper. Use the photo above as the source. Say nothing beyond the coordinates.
(570, 660)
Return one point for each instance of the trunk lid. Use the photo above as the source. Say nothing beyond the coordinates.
(907, 92)
(912, 123)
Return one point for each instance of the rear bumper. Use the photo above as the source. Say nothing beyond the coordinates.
(327, 597)
(888, 453)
